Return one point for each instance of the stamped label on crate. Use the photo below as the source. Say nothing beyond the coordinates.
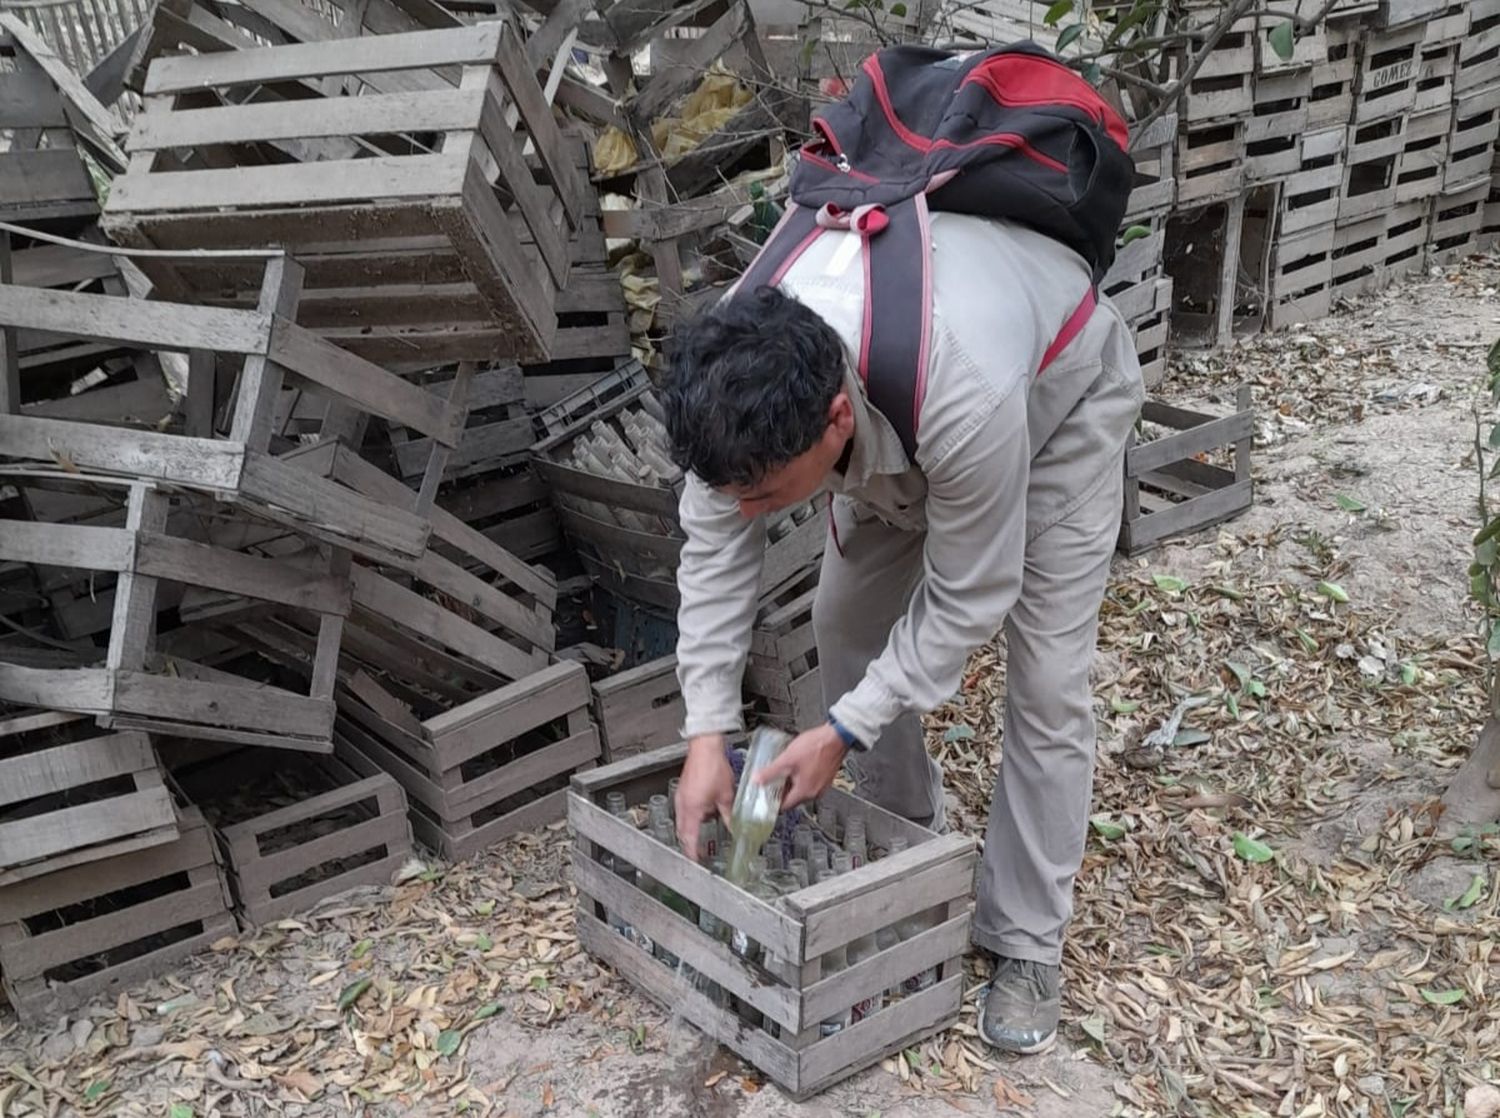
(1392, 74)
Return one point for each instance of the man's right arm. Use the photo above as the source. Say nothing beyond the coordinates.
(718, 580)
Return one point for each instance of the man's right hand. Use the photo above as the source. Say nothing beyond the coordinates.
(705, 789)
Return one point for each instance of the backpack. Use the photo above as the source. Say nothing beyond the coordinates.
(1010, 132)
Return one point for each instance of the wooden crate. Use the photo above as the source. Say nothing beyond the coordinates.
(1302, 276)
(1153, 332)
(789, 995)
(1404, 242)
(332, 829)
(639, 709)
(1457, 218)
(1369, 184)
(1385, 82)
(1479, 53)
(1221, 89)
(430, 237)
(70, 795)
(634, 552)
(1310, 195)
(262, 352)
(1331, 101)
(1219, 259)
(1439, 64)
(1471, 145)
(1358, 256)
(482, 770)
(1169, 492)
(1399, 13)
(1210, 161)
(51, 119)
(1424, 154)
(1155, 188)
(511, 508)
(86, 932)
(782, 679)
(1274, 131)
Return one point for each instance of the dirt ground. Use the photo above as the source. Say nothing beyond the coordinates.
(1267, 923)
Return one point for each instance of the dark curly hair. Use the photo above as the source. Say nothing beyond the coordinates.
(749, 386)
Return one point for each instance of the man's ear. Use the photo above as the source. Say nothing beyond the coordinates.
(841, 415)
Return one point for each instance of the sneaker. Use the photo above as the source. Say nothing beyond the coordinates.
(1021, 1007)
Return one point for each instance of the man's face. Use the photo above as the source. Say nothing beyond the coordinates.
(803, 476)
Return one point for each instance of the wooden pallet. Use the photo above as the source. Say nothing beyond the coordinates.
(634, 552)
(1479, 53)
(1169, 492)
(482, 770)
(69, 795)
(1471, 144)
(338, 831)
(425, 199)
(84, 933)
(639, 709)
(785, 995)
(782, 679)
(1302, 276)
(1358, 256)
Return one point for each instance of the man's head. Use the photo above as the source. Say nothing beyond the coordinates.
(755, 400)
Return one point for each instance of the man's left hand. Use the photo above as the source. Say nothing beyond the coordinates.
(809, 763)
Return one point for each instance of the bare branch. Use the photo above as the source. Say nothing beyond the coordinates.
(1231, 16)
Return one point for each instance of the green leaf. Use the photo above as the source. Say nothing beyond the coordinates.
(352, 993)
(1256, 688)
(961, 732)
(486, 1011)
(1069, 36)
(1492, 362)
(1171, 584)
(1229, 592)
(96, 1090)
(1471, 894)
(1106, 828)
(1241, 672)
(1283, 40)
(1333, 591)
(1443, 997)
(1134, 233)
(898, 10)
(484, 908)
(1190, 737)
(1093, 1027)
(362, 948)
(1463, 844)
(1232, 703)
(1057, 11)
(1124, 706)
(448, 1041)
(1408, 672)
(1308, 642)
(1486, 553)
(1093, 73)
(1142, 11)
(1494, 645)
(1349, 504)
(179, 1110)
(1251, 849)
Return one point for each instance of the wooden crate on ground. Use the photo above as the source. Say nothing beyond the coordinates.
(1277, 122)
(296, 833)
(87, 931)
(1479, 53)
(1388, 69)
(605, 460)
(1438, 65)
(1332, 98)
(1358, 256)
(1169, 490)
(482, 770)
(427, 213)
(69, 795)
(793, 1020)
(1404, 243)
(1373, 152)
(1310, 195)
(639, 708)
(1302, 276)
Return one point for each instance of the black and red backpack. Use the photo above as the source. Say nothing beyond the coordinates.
(1005, 133)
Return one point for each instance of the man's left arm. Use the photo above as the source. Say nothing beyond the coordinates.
(973, 560)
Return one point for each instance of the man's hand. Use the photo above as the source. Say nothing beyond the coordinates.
(705, 788)
(810, 763)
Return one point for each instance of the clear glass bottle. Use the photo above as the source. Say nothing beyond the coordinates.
(854, 840)
(658, 810)
(802, 838)
(833, 962)
(672, 796)
(797, 867)
(828, 823)
(818, 857)
(615, 803)
(756, 805)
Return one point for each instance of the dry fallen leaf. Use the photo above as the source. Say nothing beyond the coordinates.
(714, 1078)
(547, 1096)
(1006, 1095)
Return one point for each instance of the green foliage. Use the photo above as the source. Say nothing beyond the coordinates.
(1484, 570)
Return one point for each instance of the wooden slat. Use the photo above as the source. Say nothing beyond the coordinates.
(46, 771)
(418, 50)
(84, 825)
(267, 709)
(111, 318)
(373, 114)
(216, 568)
(515, 777)
(525, 704)
(1144, 457)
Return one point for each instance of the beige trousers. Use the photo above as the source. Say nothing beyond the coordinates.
(1039, 813)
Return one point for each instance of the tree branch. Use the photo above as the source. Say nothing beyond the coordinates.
(1232, 16)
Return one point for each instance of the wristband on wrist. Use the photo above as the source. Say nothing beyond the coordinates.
(846, 735)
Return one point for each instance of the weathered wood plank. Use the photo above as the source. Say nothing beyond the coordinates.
(137, 322)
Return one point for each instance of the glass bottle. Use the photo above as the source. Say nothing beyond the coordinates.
(756, 805)
(802, 838)
(854, 840)
(797, 867)
(672, 797)
(833, 962)
(657, 807)
(614, 802)
(828, 823)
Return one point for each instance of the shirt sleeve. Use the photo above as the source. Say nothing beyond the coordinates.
(718, 581)
(973, 560)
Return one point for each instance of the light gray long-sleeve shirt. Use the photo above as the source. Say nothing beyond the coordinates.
(1001, 294)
